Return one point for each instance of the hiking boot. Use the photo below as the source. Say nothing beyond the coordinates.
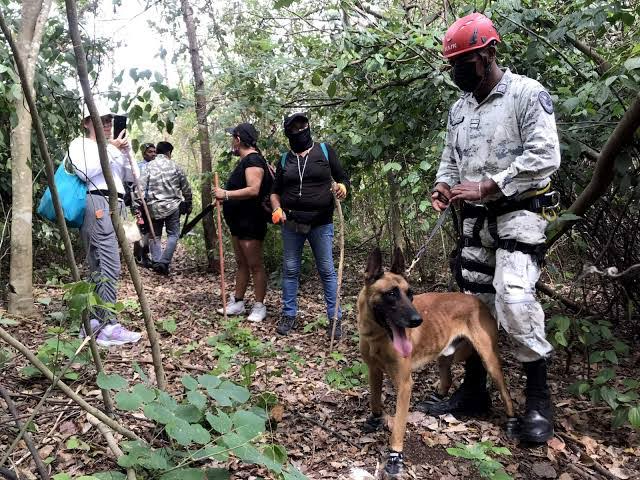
(258, 312)
(286, 324)
(536, 426)
(470, 399)
(161, 268)
(233, 307)
(338, 333)
(95, 324)
(116, 334)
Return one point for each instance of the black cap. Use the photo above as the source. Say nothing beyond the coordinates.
(289, 119)
(246, 132)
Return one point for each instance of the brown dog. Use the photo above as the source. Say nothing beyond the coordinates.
(399, 334)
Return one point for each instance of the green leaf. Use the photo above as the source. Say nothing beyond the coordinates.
(634, 416)
(248, 424)
(146, 394)
(74, 443)
(197, 399)
(111, 382)
(282, 3)
(316, 79)
(159, 413)
(632, 63)
(188, 413)
(331, 89)
(235, 392)
(619, 417)
(110, 475)
(569, 217)
(199, 434)
(128, 401)
(189, 382)
(609, 395)
(185, 474)
(169, 325)
(221, 422)
(217, 452)
(277, 453)
(209, 381)
(560, 339)
(217, 474)
(180, 431)
(611, 356)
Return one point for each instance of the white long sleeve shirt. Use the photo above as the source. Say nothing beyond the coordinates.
(510, 137)
(83, 153)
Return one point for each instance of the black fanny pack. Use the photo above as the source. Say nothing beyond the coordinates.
(300, 221)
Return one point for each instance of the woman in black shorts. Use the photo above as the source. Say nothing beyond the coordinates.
(249, 182)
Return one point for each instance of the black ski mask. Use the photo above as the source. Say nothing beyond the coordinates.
(300, 141)
(465, 76)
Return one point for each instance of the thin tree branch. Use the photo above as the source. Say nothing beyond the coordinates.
(42, 469)
(111, 442)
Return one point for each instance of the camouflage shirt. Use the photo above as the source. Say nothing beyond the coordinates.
(164, 185)
(509, 137)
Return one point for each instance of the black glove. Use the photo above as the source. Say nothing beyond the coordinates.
(185, 208)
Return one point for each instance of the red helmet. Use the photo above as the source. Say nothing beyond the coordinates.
(471, 32)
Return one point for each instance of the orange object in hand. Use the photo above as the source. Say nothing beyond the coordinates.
(277, 216)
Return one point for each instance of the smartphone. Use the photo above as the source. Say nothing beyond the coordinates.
(119, 124)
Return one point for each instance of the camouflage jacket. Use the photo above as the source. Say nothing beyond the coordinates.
(164, 185)
(510, 137)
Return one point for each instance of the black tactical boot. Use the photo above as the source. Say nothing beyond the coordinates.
(536, 426)
(470, 399)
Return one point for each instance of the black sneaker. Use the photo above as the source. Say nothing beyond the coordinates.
(161, 268)
(338, 333)
(286, 324)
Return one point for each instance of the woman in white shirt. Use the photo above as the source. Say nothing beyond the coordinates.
(97, 232)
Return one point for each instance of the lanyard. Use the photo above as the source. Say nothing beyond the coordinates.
(304, 167)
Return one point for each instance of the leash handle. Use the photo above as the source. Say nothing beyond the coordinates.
(221, 252)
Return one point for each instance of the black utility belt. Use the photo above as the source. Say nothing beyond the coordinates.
(105, 193)
(538, 204)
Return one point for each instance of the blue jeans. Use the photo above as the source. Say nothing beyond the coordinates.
(321, 241)
(172, 224)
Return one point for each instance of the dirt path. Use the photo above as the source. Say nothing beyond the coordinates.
(320, 427)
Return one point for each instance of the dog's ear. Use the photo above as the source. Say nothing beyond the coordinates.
(374, 266)
(397, 263)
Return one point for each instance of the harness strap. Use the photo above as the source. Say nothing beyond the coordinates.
(475, 266)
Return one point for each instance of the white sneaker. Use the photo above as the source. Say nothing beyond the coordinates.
(233, 307)
(258, 312)
(116, 334)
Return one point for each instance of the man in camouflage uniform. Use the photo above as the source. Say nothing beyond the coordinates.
(500, 150)
(168, 195)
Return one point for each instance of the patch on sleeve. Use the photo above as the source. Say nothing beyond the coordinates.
(545, 100)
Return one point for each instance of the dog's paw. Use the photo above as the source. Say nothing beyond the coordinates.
(373, 424)
(395, 466)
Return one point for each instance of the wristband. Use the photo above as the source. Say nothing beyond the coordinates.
(226, 195)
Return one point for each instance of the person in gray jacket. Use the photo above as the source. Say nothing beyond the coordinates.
(168, 195)
(500, 151)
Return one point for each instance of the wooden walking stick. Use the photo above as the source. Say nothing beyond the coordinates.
(222, 282)
(340, 269)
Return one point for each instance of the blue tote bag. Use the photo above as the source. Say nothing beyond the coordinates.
(73, 195)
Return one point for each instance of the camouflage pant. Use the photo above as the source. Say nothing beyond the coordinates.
(514, 304)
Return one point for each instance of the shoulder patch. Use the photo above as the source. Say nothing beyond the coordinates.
(545, 100)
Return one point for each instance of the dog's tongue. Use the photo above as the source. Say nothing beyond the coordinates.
(400, 341)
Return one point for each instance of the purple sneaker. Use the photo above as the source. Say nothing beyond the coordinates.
(116, 334)
(95, 323)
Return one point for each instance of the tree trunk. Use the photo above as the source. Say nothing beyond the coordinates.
(34, 16)
(203, 131)
(394, 213)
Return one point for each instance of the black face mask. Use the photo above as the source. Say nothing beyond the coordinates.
(465, 76)
(300, 141)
